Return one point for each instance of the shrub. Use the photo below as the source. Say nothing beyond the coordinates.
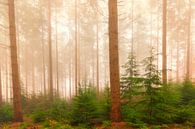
(39, 116)
(84, 107)
(106, 124)
(105, 104)
(5, 113)
(186, 110)
(187, 93)
(59, 110)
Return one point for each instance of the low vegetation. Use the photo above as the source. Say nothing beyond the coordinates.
(145, 103)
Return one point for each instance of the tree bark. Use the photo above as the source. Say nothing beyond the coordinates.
(7, 78)
(70, 72)
(76, 47)
(50, 53)
(97, 45)
(164, 43)
(1, 100)
(57, 62)
(43, 51)
(14, 63)
(132, 27)
(188, 45)
(114, 61)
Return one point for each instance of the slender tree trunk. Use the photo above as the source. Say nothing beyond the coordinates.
(171, 73)
(14, 63)
(132, 27)
(188, 45)
(57, 62)
(50, 52)
(164, 43)
(157, 42)
(93, 68)
(26, 71)
(43, 51)
(177, 71)
(33, 78)
(97, 43)
(114, 61)
(70, 73)
(7, 78)
(1, 97)
(76, 47)
(43, 66)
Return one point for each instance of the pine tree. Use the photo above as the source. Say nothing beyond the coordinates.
(151, 83)
(131, 78)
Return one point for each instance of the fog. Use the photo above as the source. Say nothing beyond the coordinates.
(79, 40)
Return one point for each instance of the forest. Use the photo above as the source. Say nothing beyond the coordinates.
(97, 64)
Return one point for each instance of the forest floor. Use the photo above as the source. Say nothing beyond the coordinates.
(28, 124)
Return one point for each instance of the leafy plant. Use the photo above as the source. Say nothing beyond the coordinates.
(6, 113)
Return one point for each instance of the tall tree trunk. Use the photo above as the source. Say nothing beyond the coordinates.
(43, 65)
(114, 61)
(76, 47)
(177, 70)
(43, 51)
(1, 100)
(57, 62)
(157, 39)
(188, 45)
(97, 43)
(26, 70)
(50, 52)
(70, 72)
(33, 78)
(79, 71)
(164, 43)
(7, 78)
(132, 27)
(14, 63)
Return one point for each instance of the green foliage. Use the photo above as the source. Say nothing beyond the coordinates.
(187, 93)
(59, 110)
(149, 101)
(84, 110)
(131, 67)
(40, 108)
(6, 113)
(104, 104)
(186, 110)
(130, 79)
(85, 107)
(39, 116)
(24, 125)
(106, 124)
(131, 114)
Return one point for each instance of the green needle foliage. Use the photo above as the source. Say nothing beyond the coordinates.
(145, 99)
(84, 107)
